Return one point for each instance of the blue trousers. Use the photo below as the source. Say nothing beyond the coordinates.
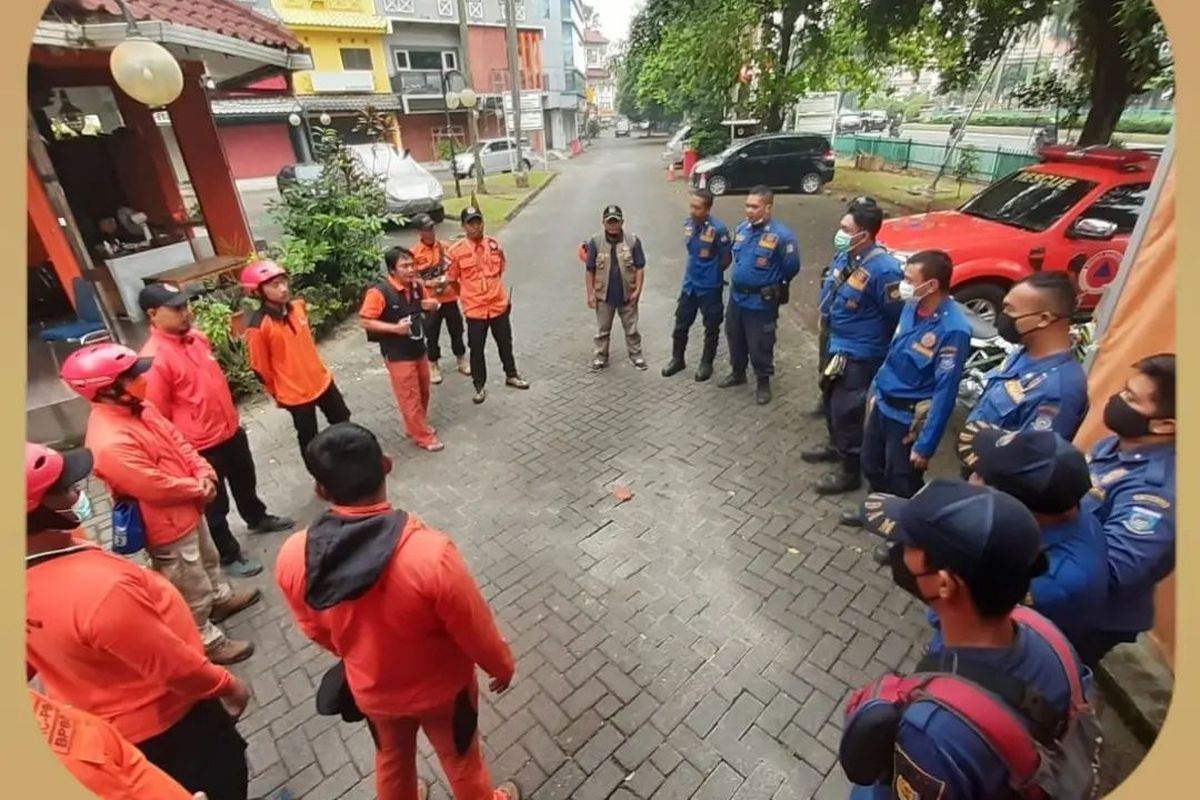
(885, 456)
(706, 303)
(751, 338)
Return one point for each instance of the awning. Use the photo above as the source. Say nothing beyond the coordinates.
(337, 20)
(349, 102)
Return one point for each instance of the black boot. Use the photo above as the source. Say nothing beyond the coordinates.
(705, 370)
(851, 518)
(732, 379)
(822, 455)
(848, 480)
(882, 554)
(762, 395)
(675, 365)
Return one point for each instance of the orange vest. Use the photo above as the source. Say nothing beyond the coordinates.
(479, 269)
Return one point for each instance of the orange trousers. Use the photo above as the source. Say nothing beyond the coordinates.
(396, 756)
(410, 383)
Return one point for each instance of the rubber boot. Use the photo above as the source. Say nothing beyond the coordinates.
(848, 480)
(676, 364)
(705, 370)
(822, 455)
(732, 379)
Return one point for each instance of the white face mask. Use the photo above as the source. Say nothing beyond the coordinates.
(907, 291)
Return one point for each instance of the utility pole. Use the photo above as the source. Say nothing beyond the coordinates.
(514, 71)
(464, 38)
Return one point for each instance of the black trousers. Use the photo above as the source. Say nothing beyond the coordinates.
(751, 338)
(203, 752)
(477, 331)
(234, 465)
(1094, 646)
(454, 326)
(845, 403)
(708, 304)
(885, 457)
(304, 417)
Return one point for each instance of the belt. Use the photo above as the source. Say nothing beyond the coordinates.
(899, 404)
(742, 288)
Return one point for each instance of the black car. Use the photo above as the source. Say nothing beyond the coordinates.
(786, 162)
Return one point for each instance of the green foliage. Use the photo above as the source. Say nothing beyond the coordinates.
(709, 137)
(966, 165)
(1024, 119)
(213, 314)
(593, 127)
(443, 149)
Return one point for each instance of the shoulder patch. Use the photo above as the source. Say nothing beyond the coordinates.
(858, 279)
(1142, 521)
(1043, 423)
(947, 359)
(791, 248)
(929, 339)
(1152, 499)
(893, 290)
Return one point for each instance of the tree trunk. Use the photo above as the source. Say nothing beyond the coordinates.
(773, 116)
(1110, 88)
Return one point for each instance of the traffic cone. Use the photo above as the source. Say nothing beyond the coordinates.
(671, 172)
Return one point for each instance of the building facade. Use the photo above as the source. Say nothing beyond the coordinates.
(566, 69)
(601, 85)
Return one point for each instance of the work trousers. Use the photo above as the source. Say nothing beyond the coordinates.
(477, 331)
(711, 309)
(454, 326)
(193, 566)
(410, 383)
(604, 322)
(203, 752)
(885, 457)
(845, 402)
(304, 417)
(751, 338)
(1094, 646)
(396, 752)
(234, 465)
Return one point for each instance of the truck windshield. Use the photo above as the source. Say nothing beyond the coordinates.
(1029, 200)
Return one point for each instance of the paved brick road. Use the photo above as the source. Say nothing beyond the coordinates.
(698, 640)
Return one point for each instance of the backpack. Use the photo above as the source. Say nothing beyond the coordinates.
(1059, 759)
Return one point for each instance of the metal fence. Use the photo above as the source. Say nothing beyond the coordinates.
(991, 163)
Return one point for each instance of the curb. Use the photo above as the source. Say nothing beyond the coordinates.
(527, 199)
(1139, 687)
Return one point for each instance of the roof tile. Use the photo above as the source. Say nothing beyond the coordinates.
(225, 17)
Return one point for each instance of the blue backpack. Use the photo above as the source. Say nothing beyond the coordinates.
(129, 531)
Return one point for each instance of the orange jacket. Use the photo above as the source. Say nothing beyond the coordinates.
(117, 641)
(479, 269)
(187, 386)
(105, 763)
(283, 353)
(145, 457)
(426, 256)
(402, 610)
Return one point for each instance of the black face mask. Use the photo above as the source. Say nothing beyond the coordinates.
(905, 578)
(48, 519)
(1124, 420)
(1006, 326)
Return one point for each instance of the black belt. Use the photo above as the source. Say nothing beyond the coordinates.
(900, 405)
(742, 288)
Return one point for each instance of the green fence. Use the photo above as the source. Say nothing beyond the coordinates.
(991, 163)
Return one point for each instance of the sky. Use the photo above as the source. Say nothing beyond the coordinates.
(615, 16)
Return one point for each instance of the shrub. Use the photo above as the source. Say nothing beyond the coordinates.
(213, 315)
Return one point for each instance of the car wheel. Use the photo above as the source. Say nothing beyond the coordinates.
(718, 185)
(438, 215)
(984, 298)
(810, 183)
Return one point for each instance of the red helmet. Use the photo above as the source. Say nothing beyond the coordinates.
(257, 273)
(97, 366)
(46, 468)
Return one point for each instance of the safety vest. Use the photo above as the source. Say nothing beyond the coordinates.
(624, 262)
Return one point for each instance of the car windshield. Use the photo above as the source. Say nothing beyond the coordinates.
(1029, 200)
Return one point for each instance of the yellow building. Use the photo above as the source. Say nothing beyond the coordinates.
(345, 38)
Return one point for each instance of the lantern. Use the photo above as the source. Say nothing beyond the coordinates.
(146, 71)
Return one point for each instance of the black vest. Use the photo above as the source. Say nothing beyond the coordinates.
(397, 307)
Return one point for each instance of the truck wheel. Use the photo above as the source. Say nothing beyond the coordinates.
(983, 297)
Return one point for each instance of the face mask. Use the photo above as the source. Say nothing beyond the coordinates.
(47, 519)
(1124, 420)
(841, 241)
(1006, 326)
(905, 578)
(907, 291)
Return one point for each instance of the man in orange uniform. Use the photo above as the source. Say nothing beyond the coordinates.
(432, 262)
(117, 641)
(392, 313)
(394, 600)
(100, 758)
(145, 460)
(477, 264)
(185, 383)
(283, 353)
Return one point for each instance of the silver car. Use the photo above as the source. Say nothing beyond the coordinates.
(497, 155)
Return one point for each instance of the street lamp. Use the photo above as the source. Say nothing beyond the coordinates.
(145, 70)
(464, 97)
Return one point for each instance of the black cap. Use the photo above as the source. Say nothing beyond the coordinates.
(162, 294)
(613, 212)
(423, 222)
(471, 212)
(77, 465)
(1038, 467)
(975, 531)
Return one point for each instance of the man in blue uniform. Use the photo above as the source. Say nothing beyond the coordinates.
(917, 386)
(709, 248)
(968, 553)
(766, 257)
(1133, 497)
(1042, 385)
(860, 306)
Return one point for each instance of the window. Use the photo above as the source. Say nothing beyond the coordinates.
(475, 9)
(449, 60)
(755, 149)
(1121, 205)
(398, 6)
(446, 8)
(356, 58)
(500, 147)
(1030, 199)
(787, 146)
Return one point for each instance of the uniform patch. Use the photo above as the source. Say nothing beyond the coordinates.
(929, 339)
(850, 304)
(708, 235)
(1112, 477)
(922, 349)
(706, 252)
(1142, 521)
(858, 279)
(947, 359)
(741, 237)
(1006, 439)
(769, 240)
(1153, 500)
(1042, 424)
(791, 248)
(893, 291)
(912, 782)
(1014, 390)
(762, 261)
(688, 230)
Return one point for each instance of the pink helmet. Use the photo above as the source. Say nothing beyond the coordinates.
(45, 468)
(256, 273)
(97, 366)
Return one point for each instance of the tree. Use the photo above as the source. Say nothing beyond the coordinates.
(591, 17)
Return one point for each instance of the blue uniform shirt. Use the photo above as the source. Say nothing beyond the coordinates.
(708, 245)
(1040, 393)
(925, 362)
(861, 316)
(762, 255)
(616, 287)
(1133, 497)
(938, 755)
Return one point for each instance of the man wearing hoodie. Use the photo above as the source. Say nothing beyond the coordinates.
(394, 600)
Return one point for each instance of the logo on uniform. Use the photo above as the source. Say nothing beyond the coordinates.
(769, 241)
(947, 359)
(929, 339)
(1042, 424)
(1142, 521)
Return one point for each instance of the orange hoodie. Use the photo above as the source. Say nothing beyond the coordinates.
(145, 457)
(105, 763)
(395, 601)
(188, 387)
(116, 640)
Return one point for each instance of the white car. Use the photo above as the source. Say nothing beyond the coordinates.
(410, 188)
(673, 152)
(623, 128)
(497, 155)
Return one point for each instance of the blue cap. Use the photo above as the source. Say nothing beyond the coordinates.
(969, 529)
(1038, 467)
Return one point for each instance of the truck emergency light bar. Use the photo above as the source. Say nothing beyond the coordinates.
(1096, 155)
